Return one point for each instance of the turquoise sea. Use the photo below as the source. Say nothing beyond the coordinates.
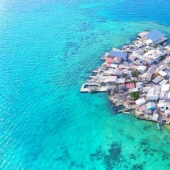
(47, 50)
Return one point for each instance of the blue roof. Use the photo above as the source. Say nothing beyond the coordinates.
(118, 54)
(154, 35)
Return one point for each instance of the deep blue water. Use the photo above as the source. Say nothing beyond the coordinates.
(47, 50)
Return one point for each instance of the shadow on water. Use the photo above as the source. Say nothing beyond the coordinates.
(110, 158)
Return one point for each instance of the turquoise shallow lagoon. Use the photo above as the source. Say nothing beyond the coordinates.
(47, 50)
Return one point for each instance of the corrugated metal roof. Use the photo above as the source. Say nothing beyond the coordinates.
(130, 85)
(154, 35)
(118, 54)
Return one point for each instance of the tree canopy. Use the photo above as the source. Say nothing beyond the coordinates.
(134, 95)
(135, 72)
(116, 84)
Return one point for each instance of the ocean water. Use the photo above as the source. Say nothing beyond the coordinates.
(47, 50)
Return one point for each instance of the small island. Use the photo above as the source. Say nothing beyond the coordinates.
(137, 77)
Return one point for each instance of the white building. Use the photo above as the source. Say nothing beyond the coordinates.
(153, 93)
(141, 69)
(139, 85)
(146, 76)
(162, 73)
(155, 55)
(155, 117)
(165, 87)
(140, 102)
(156, 37)
(163, 105)
(167, 62)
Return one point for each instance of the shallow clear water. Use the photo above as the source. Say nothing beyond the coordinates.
(47, 50)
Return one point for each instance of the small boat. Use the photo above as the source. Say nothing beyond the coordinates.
(158, 126)
(127, 113)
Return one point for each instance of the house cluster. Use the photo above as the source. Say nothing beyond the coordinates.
(141, 68)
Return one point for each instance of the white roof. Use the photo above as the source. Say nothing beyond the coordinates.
(163, 82)
(133, 90)
(161, 96)
(165, 87)
(155, 117)
(150, 105)
(161, 103)
(106, 54)
(167, 111)
(107, 79)
(143, 68)
(167, 60)
(146, 75)
(162, 73)
(140, 102)
(139, 84)
(126, 71)
(153, 54)
(155, 90)
(122, 66)
(120, 80)
(146, 89)
(113, 65)
(149, 41)
(162, 67)
(169, 95)
(117, 72)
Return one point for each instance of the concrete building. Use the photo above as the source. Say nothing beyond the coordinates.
(154, 55)
(162, 73)
(165, 87)
(157, 79)
(141, 69)
(153, 93)
(155, 117)
(150, 106)
(163, 105)
(118, 54)
(155, 37)
(146, 76)
(167, 62)
(140, 102)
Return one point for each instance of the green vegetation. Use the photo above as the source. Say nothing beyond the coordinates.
(144, 51)
(155, 45)
(163, 57)
(135, 72)
(116, 84)
(132, 81)
(134, 95)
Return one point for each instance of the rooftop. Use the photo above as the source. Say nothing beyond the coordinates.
(130, 85)
(153, 54)
(157, 79)
(162, 73)
(165, 87)
(118, 54)
(109, 60)
(140, 102)
(154, 35)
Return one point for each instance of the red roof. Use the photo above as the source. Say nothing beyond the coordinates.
(130, 85)
(116, 59)
(109, 60)
(142, 108)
